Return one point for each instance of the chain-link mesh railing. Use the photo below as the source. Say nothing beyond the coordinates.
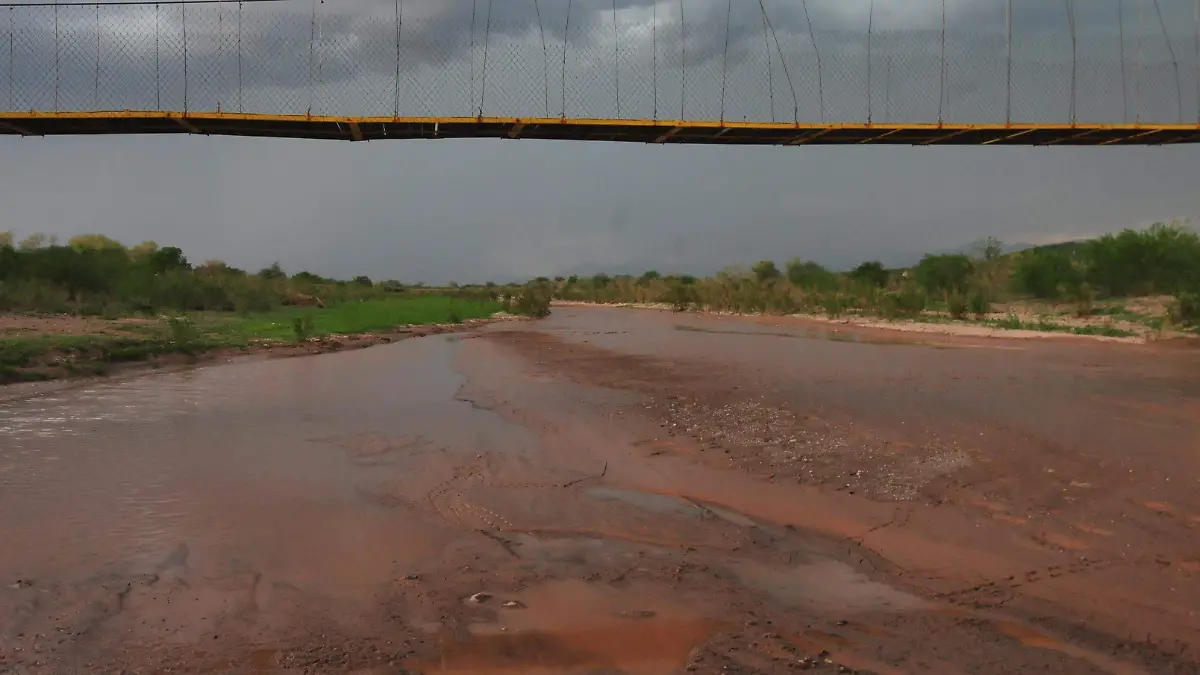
(885, 61)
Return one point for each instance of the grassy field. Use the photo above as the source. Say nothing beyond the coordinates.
(33, 348)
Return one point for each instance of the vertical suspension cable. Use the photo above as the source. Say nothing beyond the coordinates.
(762, 7)
(545, 55)
(870, 30)
(1174, 61)
(1196, 45)
(312, 46)
(1141, 55)
(183, 16)
(1008, 82)
(239, 56)
(1074, 55)
(682, 63)
(654, 53)
(487, 34)
(474, 10)
(55, 55)
(220, 51)
(725, 59)
(96, 92)
(942, 77)
(11, 27)
(770, 64)
(157, 61)
(616, 58)
(887, 72)
(1121, 55)
(396, 92)
(816, 50)
(566, 44)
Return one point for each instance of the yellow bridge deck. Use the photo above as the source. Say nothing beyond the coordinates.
(613, 130)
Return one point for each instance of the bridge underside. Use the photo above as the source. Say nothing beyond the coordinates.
(630, 131)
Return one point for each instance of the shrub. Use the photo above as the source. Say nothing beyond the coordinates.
(1045, 273)
(1186, 309)
(944, 273)
(979, 302)
(870, 273)
(302, 327)
(958, 305)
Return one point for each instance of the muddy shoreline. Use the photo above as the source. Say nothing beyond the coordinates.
(167, 363)
(613, 491)
(947, 329)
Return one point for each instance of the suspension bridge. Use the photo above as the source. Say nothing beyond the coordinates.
(733, 72)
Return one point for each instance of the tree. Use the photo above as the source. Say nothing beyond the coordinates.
(647, 277)
(949, 273)
(871, 273)
(167, 259)
(273, 273)
(363, 281)
(808, 274)
(765, 270)
(143, 249)
(6, 239)
(33, 242)
(95, 242)
(1045, 273)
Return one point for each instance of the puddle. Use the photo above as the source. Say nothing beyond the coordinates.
(578, 627)
(649, 500)
(825, 585)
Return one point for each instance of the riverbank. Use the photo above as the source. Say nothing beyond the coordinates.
(39, 348)
(1116, 324)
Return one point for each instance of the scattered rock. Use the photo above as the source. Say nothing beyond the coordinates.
(480, 597)
(513, 604)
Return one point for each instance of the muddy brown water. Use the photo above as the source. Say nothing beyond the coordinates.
(613, 491)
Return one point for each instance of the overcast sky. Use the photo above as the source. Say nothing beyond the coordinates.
(476, 210)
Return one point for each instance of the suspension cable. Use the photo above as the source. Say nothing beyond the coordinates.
(682, 63)
(474, 7)
(157, 60)
(220, 52)
(239, 55)
(770, 64)
(56, 47)
(654, 54)
(96, 93)
(566, 44)
(942, 79)
(616, 58)
(1074, 56)
(1174, 61)
(399, 17)
(487, 34)
(762, 7)
(816, 50)
(1196, 45)
(1121, 52)
(312, 45)
(1008, 21)
(870, 30)
(545, 55)
(725, 60)
(183, 21)
(11, 27)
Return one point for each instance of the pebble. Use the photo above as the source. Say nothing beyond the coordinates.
(480, 597)
(513, 604)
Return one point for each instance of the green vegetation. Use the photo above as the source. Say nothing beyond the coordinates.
(1163, 259)
(146, 301)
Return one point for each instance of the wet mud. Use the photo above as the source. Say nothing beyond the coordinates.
(613, 491)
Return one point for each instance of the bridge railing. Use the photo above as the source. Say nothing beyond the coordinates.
(886, 61)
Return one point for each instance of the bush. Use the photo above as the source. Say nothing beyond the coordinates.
(870, 273)
(944, 273)
(1164, 258)
(1186, 309)
(302, 327)
(810, 275)
(979, 302)
(1045, 273)
(957, 305)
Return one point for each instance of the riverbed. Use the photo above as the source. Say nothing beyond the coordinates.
(614, 491)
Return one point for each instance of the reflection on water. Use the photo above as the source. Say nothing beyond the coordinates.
(227, 459)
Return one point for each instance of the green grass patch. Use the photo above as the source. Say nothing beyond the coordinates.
(29, 357)
(348, 319)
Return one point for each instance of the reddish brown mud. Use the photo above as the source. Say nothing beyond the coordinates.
(613, 492)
